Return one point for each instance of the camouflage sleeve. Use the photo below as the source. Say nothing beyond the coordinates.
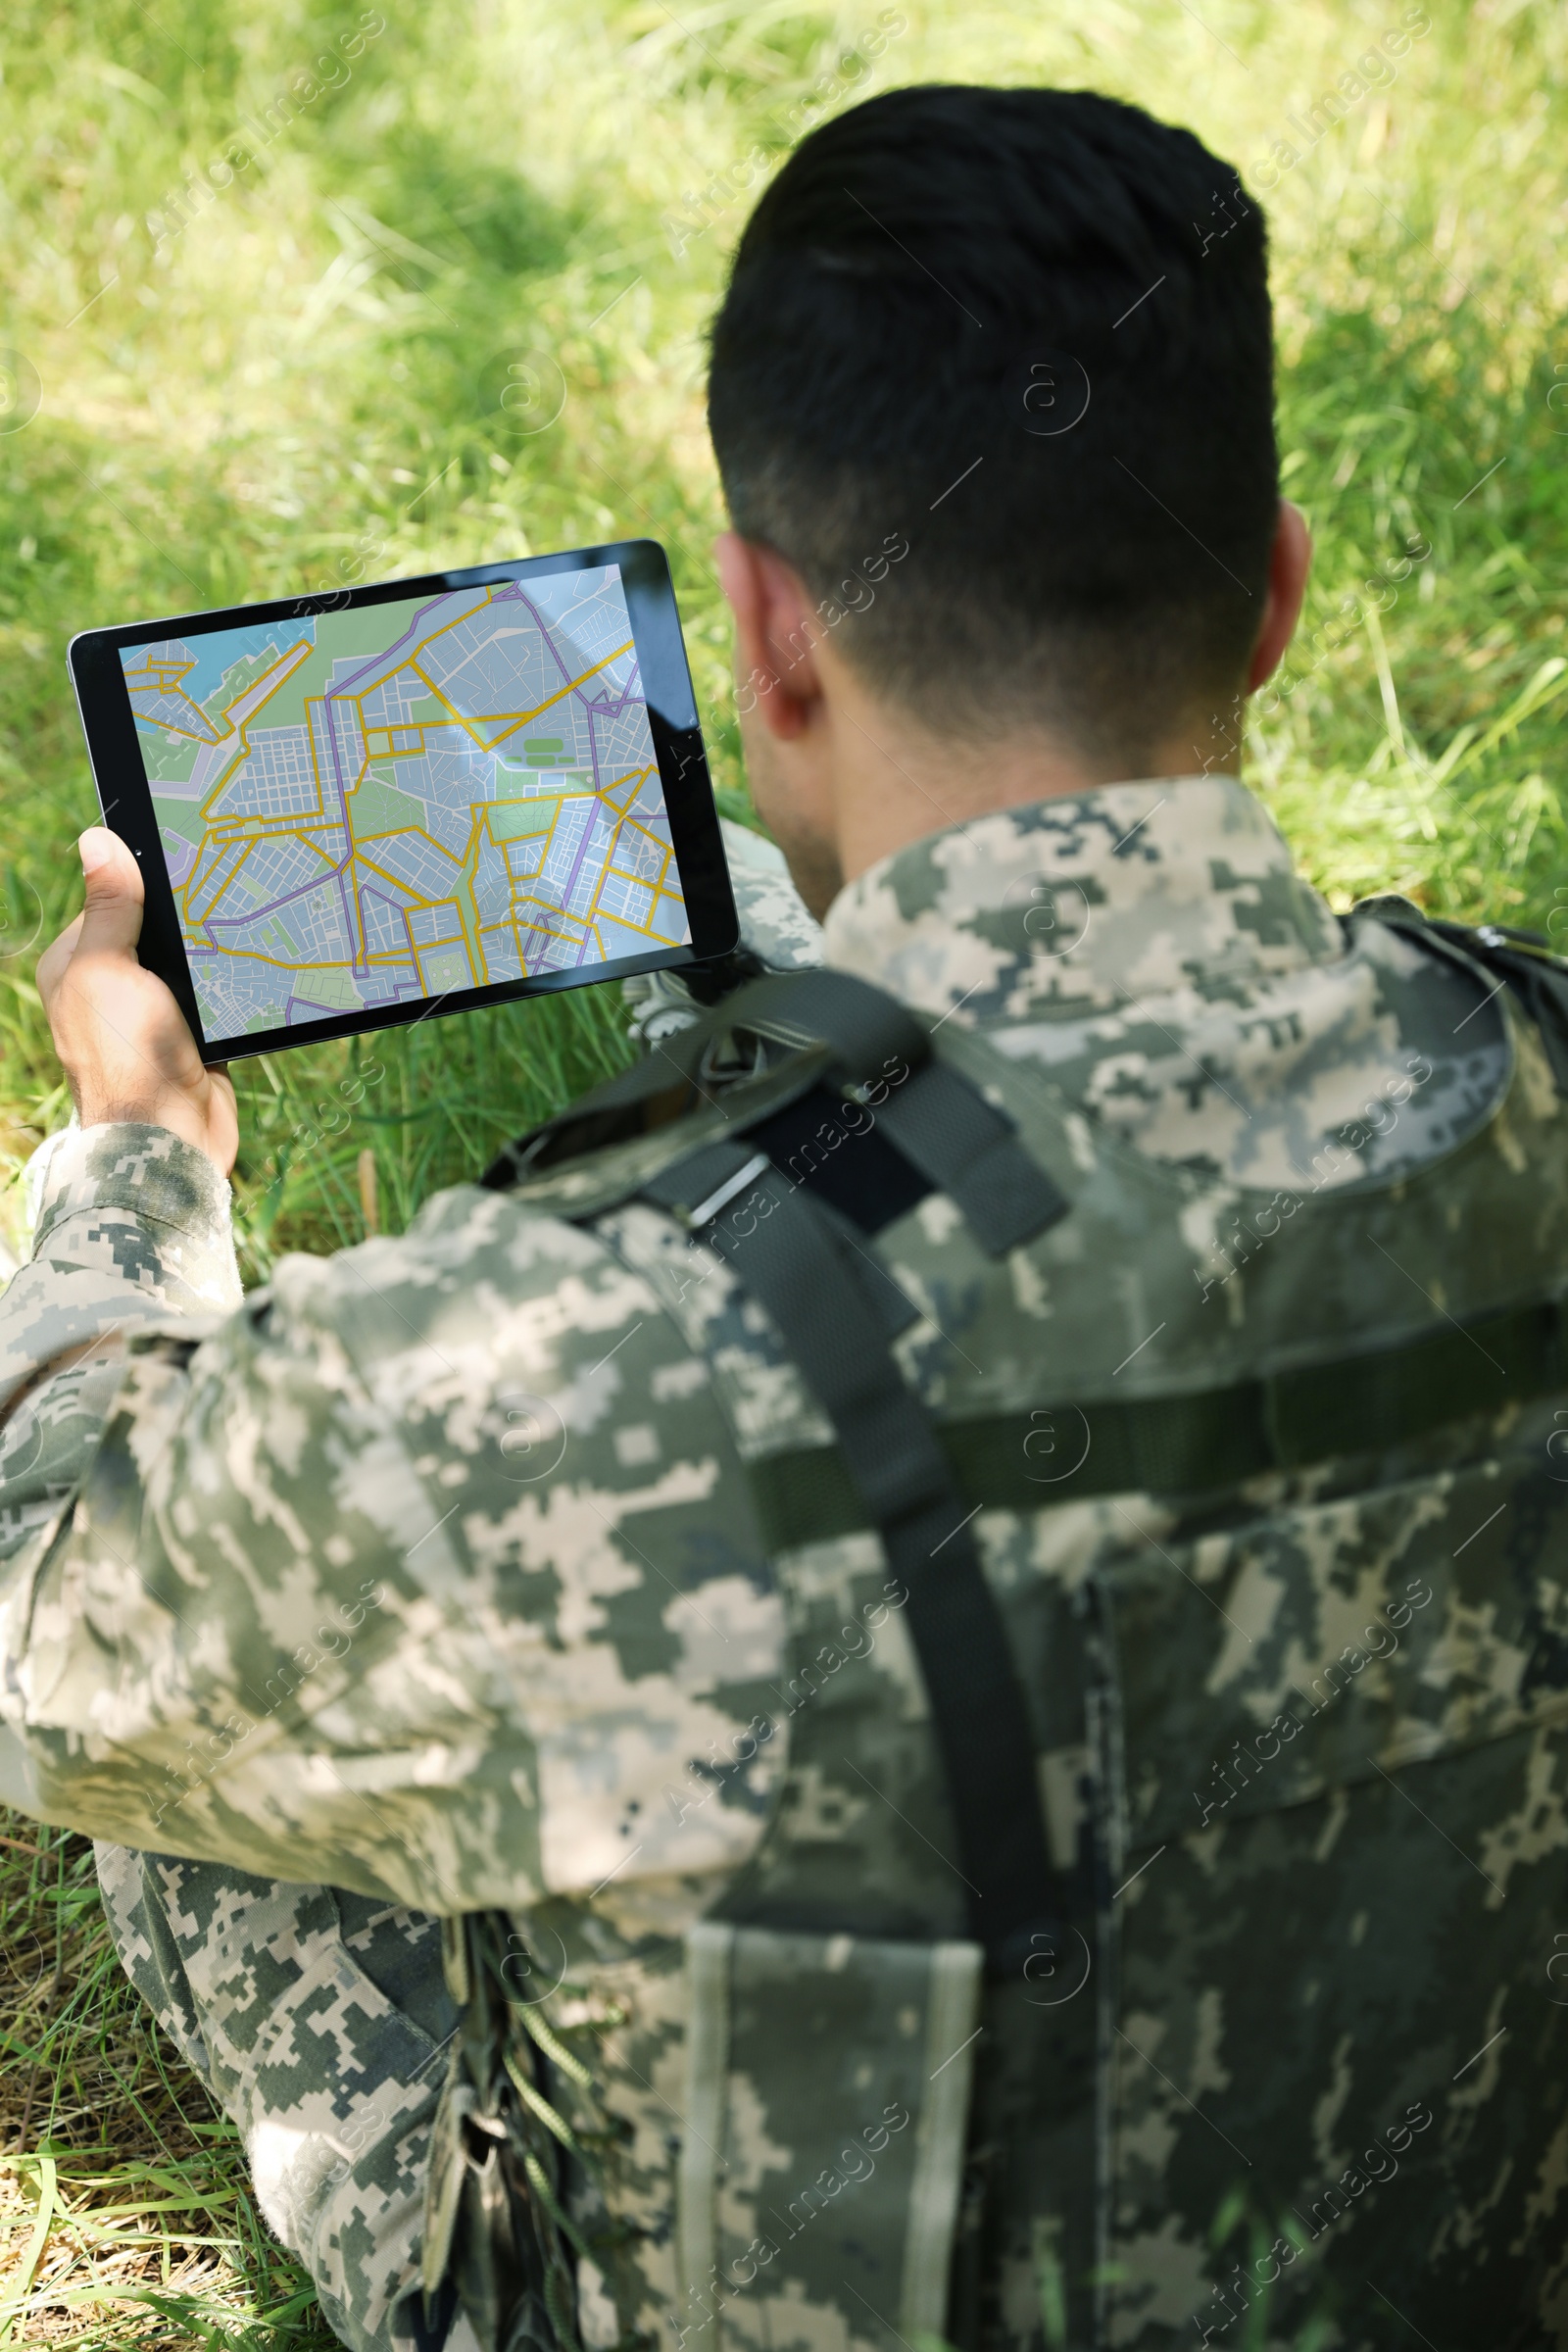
(775, 924)
(431, 1573)
(130, 1227)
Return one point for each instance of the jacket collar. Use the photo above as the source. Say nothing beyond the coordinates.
(1072, 905)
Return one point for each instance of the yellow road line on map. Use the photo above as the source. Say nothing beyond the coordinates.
(408, 833)
(216, 947)
(309, 745)
(183, 734)
(222, 834)
(176, 694)
(196, 879)
(294, 656)
(397, 880)
(522, 719)
(281, 672)
(467, 909)
(664, 853)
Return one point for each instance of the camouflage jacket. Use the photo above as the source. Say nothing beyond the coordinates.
(444, 1570)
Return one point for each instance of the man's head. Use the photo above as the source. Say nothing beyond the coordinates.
(1025, 335)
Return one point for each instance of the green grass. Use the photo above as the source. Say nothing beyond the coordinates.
(124, 2214)
(302, 387)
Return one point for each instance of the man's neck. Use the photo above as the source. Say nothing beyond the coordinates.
(895, 782)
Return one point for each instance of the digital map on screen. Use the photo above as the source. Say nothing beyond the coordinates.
(397, 801)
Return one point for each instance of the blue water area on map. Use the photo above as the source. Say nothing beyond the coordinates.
(217, 653)
(556, 595)
(304, 885)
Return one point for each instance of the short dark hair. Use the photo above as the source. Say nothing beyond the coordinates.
(918, 306)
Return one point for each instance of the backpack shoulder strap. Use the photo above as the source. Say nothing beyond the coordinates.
(1497, 953)
(795, 1261)
(814, 1013)
(832, 1028)
(799, 1263)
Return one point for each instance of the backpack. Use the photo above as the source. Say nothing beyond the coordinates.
(839, 2017)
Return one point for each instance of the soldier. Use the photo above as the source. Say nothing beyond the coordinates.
(952, 1592)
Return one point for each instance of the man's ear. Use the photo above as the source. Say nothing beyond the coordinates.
(1290, 561)
(775, 634)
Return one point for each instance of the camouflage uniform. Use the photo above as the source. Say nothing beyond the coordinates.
(318, 2020)
(316, 2017)
(479, 1571)
(775, 928)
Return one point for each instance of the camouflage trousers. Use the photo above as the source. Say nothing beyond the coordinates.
(318, 2021)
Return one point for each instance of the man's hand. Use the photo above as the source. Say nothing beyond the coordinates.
(120, 1036)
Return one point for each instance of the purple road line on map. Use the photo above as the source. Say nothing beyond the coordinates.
(305, 891)
(334, 700)
(342, 819)
(413, 952)
(543, 626)
(338, 872)
(629, 691)
(593, 754)
(378, 898)
(360, 965)
(582, 852)
(231, 923)
(614, 709)
(387, 652)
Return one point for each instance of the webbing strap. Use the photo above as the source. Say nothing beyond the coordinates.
(802, 1271)
(1538, 980)
(1197, 1443)
(880, 1055)
(868, 1031)
(1523, 960)
(869, 1035)
(968, 1151)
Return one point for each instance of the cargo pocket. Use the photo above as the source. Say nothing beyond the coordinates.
(332, 2084)
(828, 2103)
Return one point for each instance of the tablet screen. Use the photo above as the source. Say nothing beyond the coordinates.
(363, 809)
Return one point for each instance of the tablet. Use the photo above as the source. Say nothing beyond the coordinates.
(372, 805)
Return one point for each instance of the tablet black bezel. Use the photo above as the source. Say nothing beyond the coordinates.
(124, 796)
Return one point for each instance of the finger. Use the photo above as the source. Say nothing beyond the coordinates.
(55, 957)
(112, 917)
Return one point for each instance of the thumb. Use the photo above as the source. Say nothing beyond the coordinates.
(111, 921)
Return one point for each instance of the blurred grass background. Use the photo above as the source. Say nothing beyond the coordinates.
(302, 386)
